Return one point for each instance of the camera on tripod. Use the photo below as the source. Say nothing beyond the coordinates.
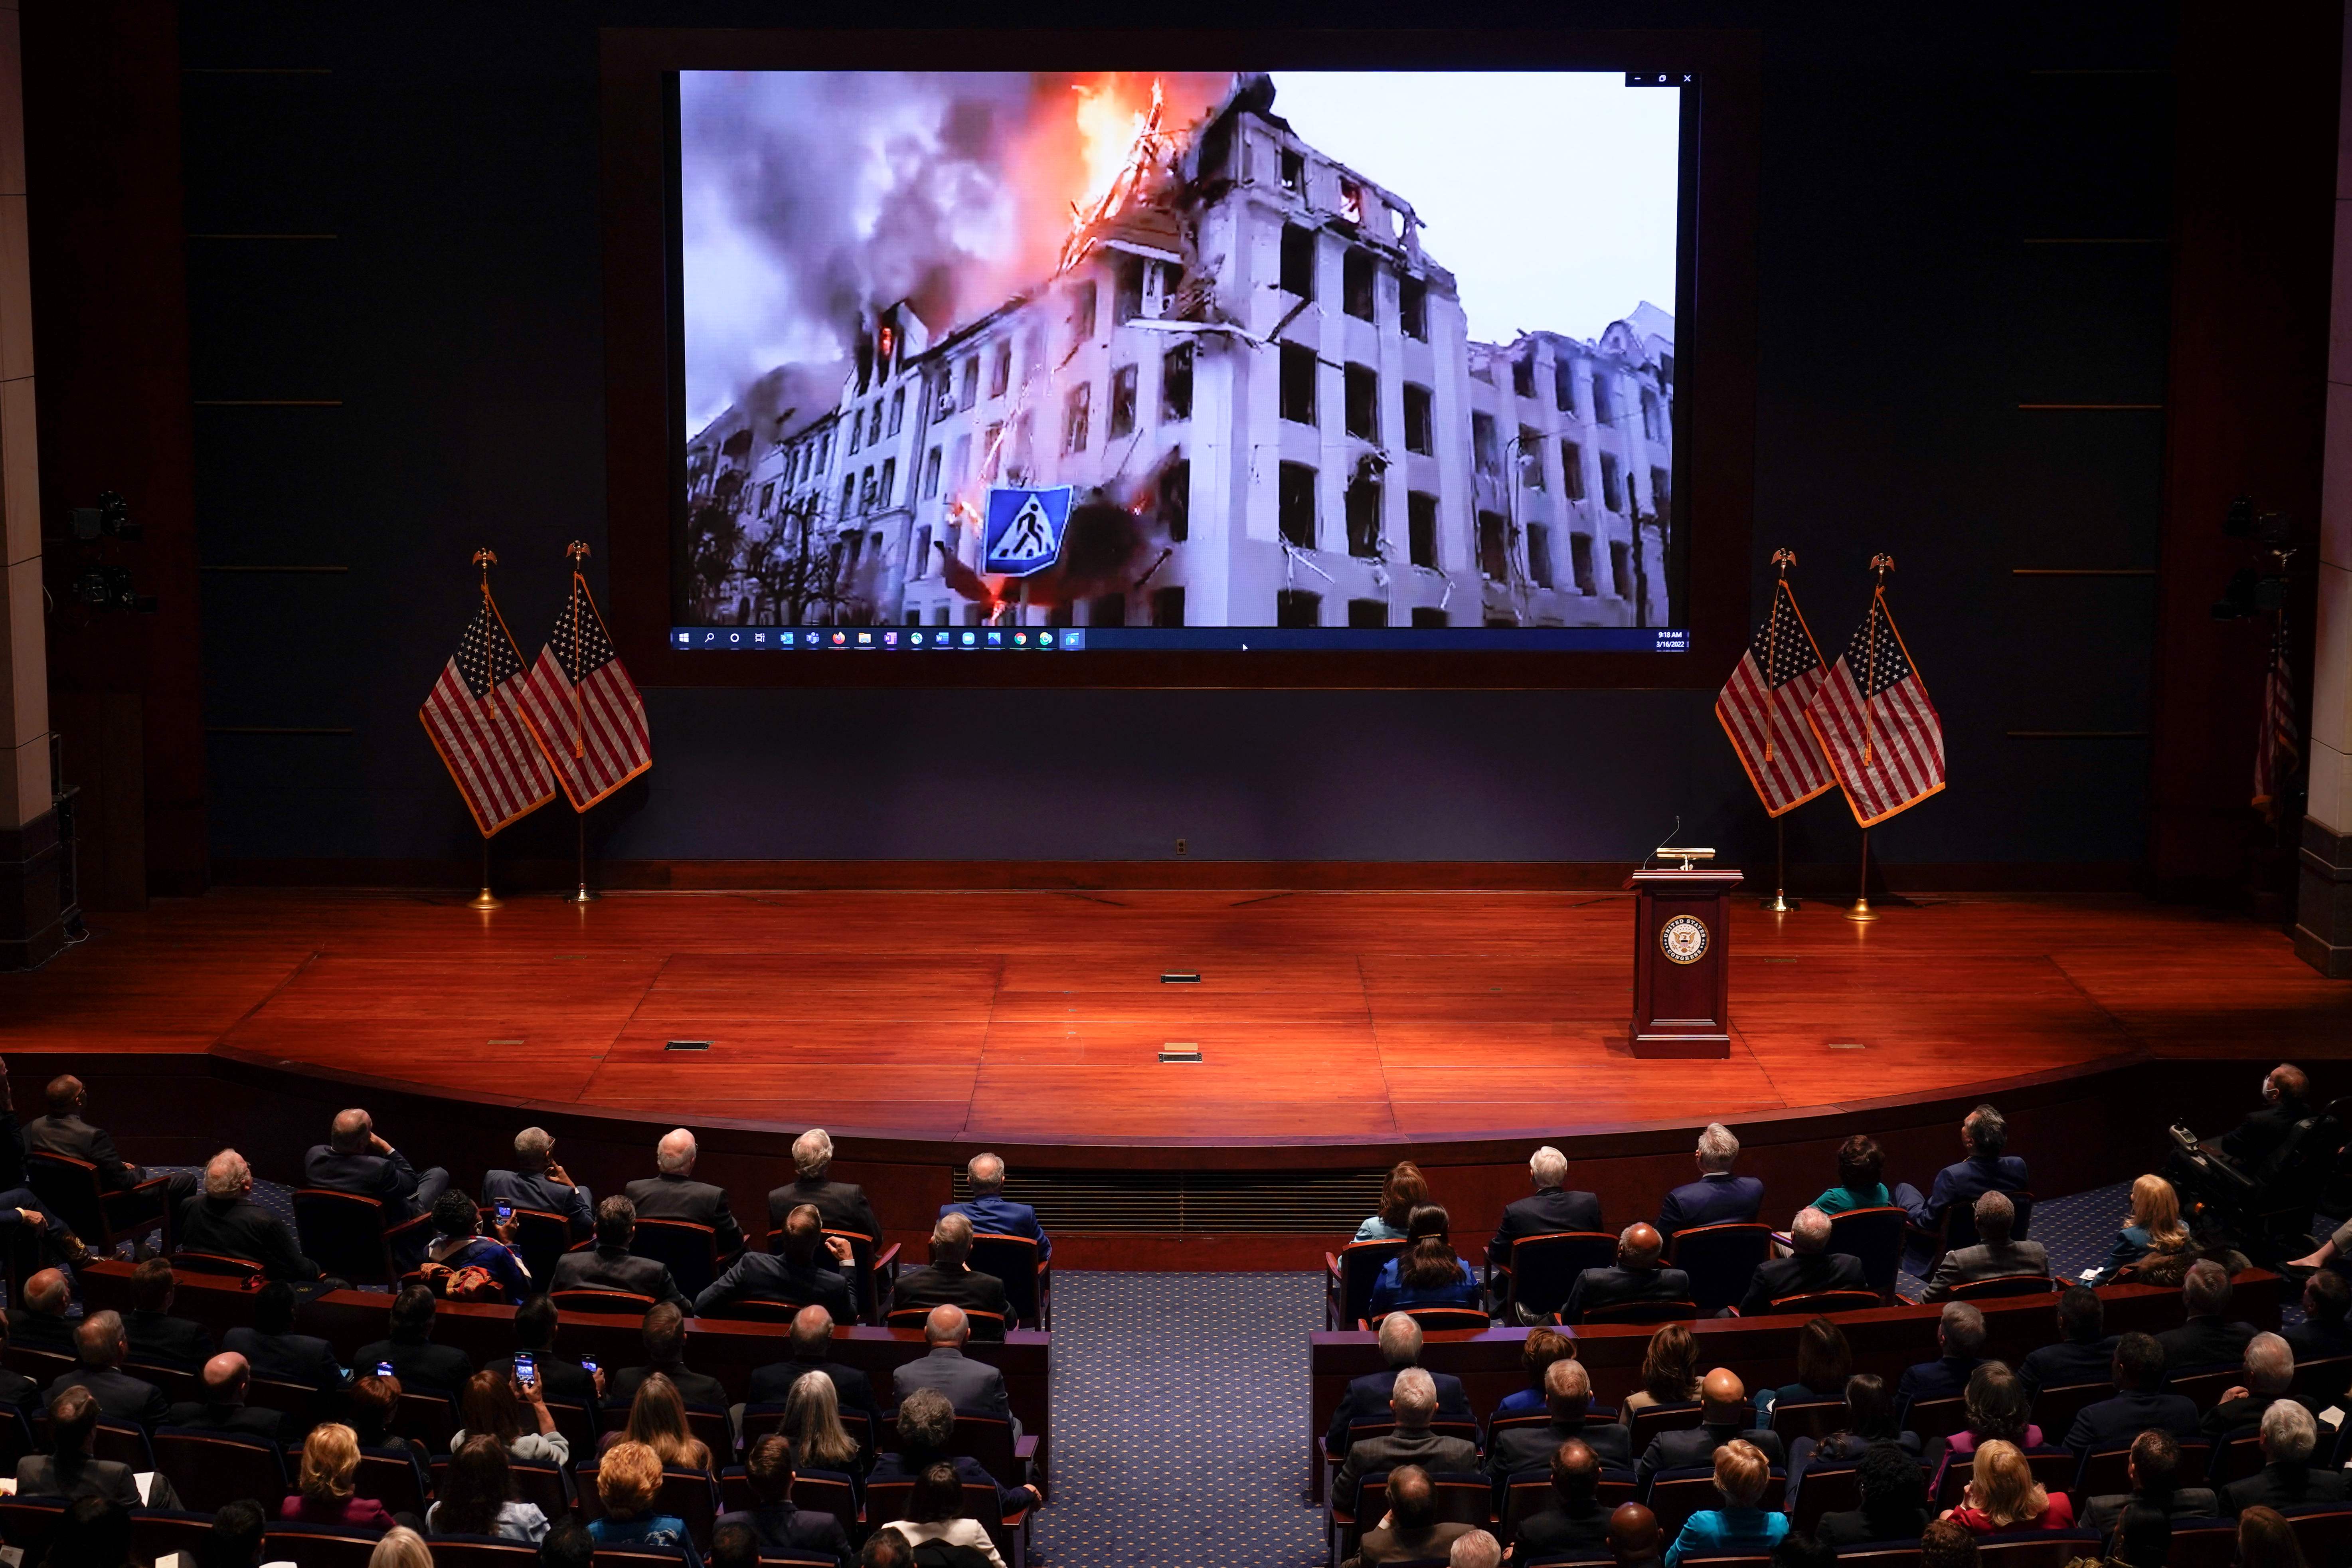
(2256, 590)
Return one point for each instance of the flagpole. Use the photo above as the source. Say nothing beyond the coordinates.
(485, 558)
(576, 552)
(1861, 913)
(1780, 903)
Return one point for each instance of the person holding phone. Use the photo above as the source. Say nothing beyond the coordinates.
(513, 1409)
(459, 1243)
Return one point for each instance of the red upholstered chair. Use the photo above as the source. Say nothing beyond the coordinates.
(1876, 1237)
(1816, 1302)
(1348, 1277)
(2009, 1285)
(1543, 1269)
(352, 1236)
(1719, 1259)
(1028, 1284)
(542, 1237)
(628, 1304)
(689, 1246)
(1645, 1312)
(72, 1189)
(209, 1469)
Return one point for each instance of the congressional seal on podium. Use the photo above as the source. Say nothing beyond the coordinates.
(1683, 939)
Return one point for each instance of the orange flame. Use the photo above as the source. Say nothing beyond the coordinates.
(1122, 144)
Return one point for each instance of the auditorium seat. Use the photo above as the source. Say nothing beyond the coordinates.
(15, 1438)
(576, 1422)
(159, 1531)
(2204, 1385)
(1876, 1237)
(691, 1495)
(70, 1187)
(428, 1417)
(1028, 1288)
(1719, 1259)
(758, 1420)
(823, 1491)
(2323, 1531)
(887, 1498)
(2106, 1473)
(2006, 1285)
(1652, 1419)
(1937, 1418)
(1879, 1554)
(1676, 1494)
(43, 1366)
(490, 1552)
(2054, 1409)
(1826, 1489)
(1440, 1320)
(179, 1383)
(1815, 1419)
(124, 1442)
(706, 1422)
(986, 1327)
(986, 1438)
(187, 1260)
(212, 1468)
(690, 1247)
(2323, 1378)
(1643, 1313)
(393, 1479)
(542, 1482)
(2202, 1544)
(584, 1298)
(319, 1545)
(1348, 1277)
(2033, 1548)
(349, 1235)
(541, 1237)
(1960, 1229)
(1814, 1303)
(26, 1522)
(754, 1309)
(1527, 1492)
(1543, 1270)
(1466, 1498)
(2237, 1456)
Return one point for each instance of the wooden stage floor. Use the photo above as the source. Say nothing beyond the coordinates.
(1038, 1016)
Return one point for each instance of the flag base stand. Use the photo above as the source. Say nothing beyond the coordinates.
(584, 894)
(1860, 910)
(1780, 903)
(485, 899)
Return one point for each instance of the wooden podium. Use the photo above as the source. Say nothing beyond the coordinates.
(1682, 972)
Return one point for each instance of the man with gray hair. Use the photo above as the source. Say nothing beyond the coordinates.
(1367, 1398)
(1994, 1257)
(101, 1346)
(1809, 1267)
(355, 1160)
(1413, 1402)
(1568, 1396)
(842, 1204)
(675, 1194)
(224, 1221)
(1961, 1335)
(2206, 1336)
(539, 1183)
(1476, 1550)
(950, 1279)
(991, 1214)
(1717, 1197)
(2270, 1373)
(1988, 1168)
(1551, 1210)
(2287, 1478)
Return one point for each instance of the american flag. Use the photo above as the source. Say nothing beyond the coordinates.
(2279, 747)
(471, 715)
(1762, 709)
(1875, 721)
(583, 708)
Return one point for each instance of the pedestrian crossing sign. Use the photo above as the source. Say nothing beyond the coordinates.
(1025, 529)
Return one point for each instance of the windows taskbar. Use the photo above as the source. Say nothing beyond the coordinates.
(1178, 639)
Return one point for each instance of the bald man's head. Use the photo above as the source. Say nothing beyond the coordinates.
(350, 1132)
(226, 1377)
(947, 1326)
(1723, 1396)
(47, 1293)
(1638, 1245)
(812, 1332)
(804, 1233)
(1632, 1533)
(673, 1155)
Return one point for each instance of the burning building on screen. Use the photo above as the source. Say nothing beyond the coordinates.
(1262, 390)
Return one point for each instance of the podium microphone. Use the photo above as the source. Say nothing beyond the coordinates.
(1650, 858)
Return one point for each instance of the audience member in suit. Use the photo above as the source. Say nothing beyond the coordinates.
(458, 1244)
(1405, 1189)
(539, 1183)
(236, 1537)
(969, 1386)
(611, 1266)
(416, 1360)
(843, 1204)
(675, 1194)
(1408, 1531)
(781, 1527)
(2270, 1373)
(1542, 1347)
(68, 1471)
(154, 1334)
(1634, 1539)
(1551, 1210)
(100, 1347)
(1894, 1500)
(278, 1354)
(1568, 1391)
(1738, 1527)
(1824, 1361)
(951, 1280)
(2288, 1479)
(1427, 1273)
(927, 1419)
(2138, 1403)
(1860, 1164)
(40, 1322)
(991, 1214)
(222, 1219)
(2153, 1462)
(63, 1132)
(1367, 1398)
(1574, 1525)
(15, 1388)
(805, 1273)
(1995, 1255)
(2206, 1339)
(226, 1378)
(1960, 1334)
(2323, 1334)
(1414, 1401)
(2152, 1223)
(1810, 1266)
(560, 1378)
(19, 1205)
(664, 1334)
(2285, 1102)
(355, 1160)
(813, 1351)
(1872, 1417)
(1637, 1277)
(1717, 1197)
(2083, 1353)
(1475, 1549)
(1984, 1132)
(1722, 1416)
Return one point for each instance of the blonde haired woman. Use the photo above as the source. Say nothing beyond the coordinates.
(1739, 1527)
(2003, 1495)
(629, 1483)
(2152, 1226)
(401, 1547)
(325, 1490)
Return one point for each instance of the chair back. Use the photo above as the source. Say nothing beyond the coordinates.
(2234, 1458)
(391, 1476)
(2107, 1472)
(1526, 1493)
(1812, 1303)
(584, 1298)
(692, 1496)
(577, 1422)
(987, 1439)
(2054, 1409)
(70, 1189)
(1937, 1418)
(2324, 1377)
(26, 1522)
(216, 1265)
(124, 1442)
(1827, 1489)
(44, 1366)
(319, 1545)
(1652, 1419)
(1814, 1418)
(209, 1469)
(755, 1310)
(826, 1492)
(178, 1383)
(542, 1237)
(689, 1246)
(1889, 1554)
(1643, 1313)
(2037, 1548)
(1675, 1495)
(1013, 1260)
(985, 1326)
(2006, 1285)
(1354, 1272)
(426, 1416)
(306, 1404)
(158, 1532)
(710, 1424)
(2204, 1385)
(1437, 1319)
(1876, 1237)
(485, 1552)
(15, 1438)
(1720, 1259)
(2323, 1531)
(540, 1481)
(344, 1234)
(2202, 1544)
(1544, 1269)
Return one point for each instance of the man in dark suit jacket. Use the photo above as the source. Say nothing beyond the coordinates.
(222, 1219)
(416, 1360)
(2085, 1352)
(781, 1527)
(1809, 1268)
(1717, 1197)
(71, 1472)
(805, 1273)
(1960, 1334)
(223, 1408)
(664, 1332)
(2285, 1102)
(274, 1352)
(1723, 1409)
(611, 1266)
(813, 1352)
(1567, 1395)
(2269, 1371)
(2138, 1406)
(951, 1280)
(675, 1194)
(2155, 1456)
(1367, 1398)
(63, 1132)
(1894, 1500)
(2206, 1339)
(926, 1421)
(843, 1204)
(2323, 1333)
(992, 1213)
(1414, 1401)
(1410, 1532)
(1551, 1210)
(154, 1334)
(560, 1378)
(1575, 1525)
(2288, 1478)
(1995, 1255)
(355, 1160)
(1637, 1278)
(1984, 1132)
(969, 1386)
(538, 1182)
(40, 1323)
(100, 1347)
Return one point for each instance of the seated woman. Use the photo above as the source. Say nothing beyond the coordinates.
(657, 1421)
(458, 1244)
(502, 1405)
(2003, 1495)
(2152, 1226)
(812, 1425)
(1869, 1419)
(1406, 1190)
(1543, 1347)
(1860, 1161)
(1427, 1273)
(401, 1547)
(628, 1480)
(477, 1494)
(1824, 1361)
(1737, 1528)
(1669, 1371)
(326, 1489)
(934, 1512)
(1997, 1408)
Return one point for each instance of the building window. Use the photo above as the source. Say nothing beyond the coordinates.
(1297, 607)
(914, 617)
(919, 564)
(848, 494)
(940, 617)
(1621, 568)
(1364, 516)
(1299, 260)
(1024, 450)
(1484, 452)
(1428, 615)
(1356, 274)
(1076, 407)
(856, 429)
(1658, 492)
(971, 615)
(1293, 170)
(1082, 312)
(971, 380)
(1419, 431)
(1127, 287)
(1412, 307)
(1571, 470)
(1523, 375)
(1653, 427)
(959, 464)
(1122, 403)
(1176, 385)
(824, 451)
(1299, 365)
(1294, 498)
(1167, 606)
(1033, 353)
(1363, 390)
(1494, 558)
(767, 495)
(856, 542)
(1531, 457)
(889, 480)
(898, 409)
(1368, 612)
(991, 458)
(1540, 554)
(1421, 526)
(1176, 500)
(1579, 558)
(1563, 386)
(999, 370)
(865, 492)
(1611, 496)
(1600, 398)
(1110, 610)
(874, 426)
(931, 474)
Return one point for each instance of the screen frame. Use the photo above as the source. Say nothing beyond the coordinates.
(645, 361)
